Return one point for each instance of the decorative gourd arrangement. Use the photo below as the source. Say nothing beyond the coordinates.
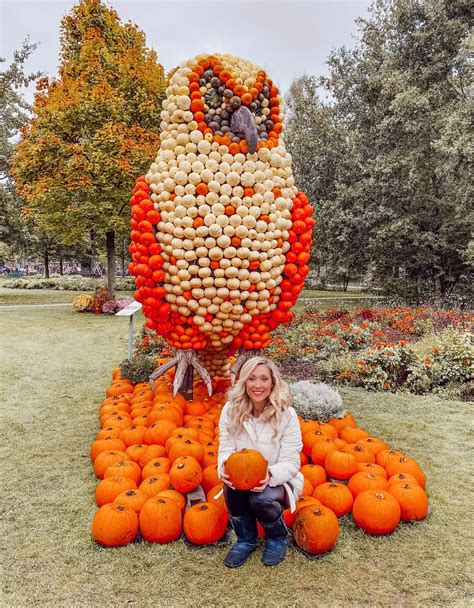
(157, 453)
(221, 238)
(220, 234)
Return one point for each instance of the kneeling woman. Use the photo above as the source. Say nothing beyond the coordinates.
(259, 416)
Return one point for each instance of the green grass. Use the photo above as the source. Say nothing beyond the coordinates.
(56, 368)
(42, 296)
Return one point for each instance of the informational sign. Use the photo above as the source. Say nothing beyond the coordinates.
(129, 311)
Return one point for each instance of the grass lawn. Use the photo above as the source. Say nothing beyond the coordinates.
(57, 366)
(42, 296)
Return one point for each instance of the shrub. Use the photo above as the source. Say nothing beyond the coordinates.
(138, 369)
(68, 283)
(111, 307)
(316, 401)
(453, 359)
(83, 303)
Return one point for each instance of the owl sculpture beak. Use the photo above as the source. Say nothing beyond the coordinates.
(242, 123)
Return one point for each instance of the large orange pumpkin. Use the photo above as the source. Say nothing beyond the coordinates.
(160, 520)
(412, 500)
(246, 469)
(204, 523)
(376, 512)
(114, 525)
(315, 529)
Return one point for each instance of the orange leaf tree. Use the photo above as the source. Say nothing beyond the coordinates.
(93, 130)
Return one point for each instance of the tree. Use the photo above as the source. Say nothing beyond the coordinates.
(397, 156)
(402, 90)
(328, 168)
(14, 111)
(94, 129)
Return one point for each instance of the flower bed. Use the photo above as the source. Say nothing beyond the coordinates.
(99, 303)
(416, 349)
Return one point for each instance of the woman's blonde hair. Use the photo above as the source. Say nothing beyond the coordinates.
(279, 399)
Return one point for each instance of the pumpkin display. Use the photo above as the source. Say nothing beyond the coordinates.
(220, 234)
(114, 525)
(160, 520)
(378, 495)
(376, 512)
(315, 529)
(204, 523)
(246, 469)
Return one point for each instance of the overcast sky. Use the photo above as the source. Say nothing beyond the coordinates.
(287, 38)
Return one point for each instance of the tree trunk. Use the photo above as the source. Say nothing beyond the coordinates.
(123, 256)
(61, 265)
(437, 291)
(345, 282)
(46, 263)
(110, 239)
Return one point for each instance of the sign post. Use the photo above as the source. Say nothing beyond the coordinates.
(129, 311)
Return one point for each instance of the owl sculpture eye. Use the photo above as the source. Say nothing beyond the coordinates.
(231, 112)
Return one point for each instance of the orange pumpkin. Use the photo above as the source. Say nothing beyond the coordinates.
(132, 499)
(335, 496)
(376, 512)
(108, 489)
(204, 523)
(185, 474)
(124, 468)
(246, 469)
(160, 520)
(412, 500)
(315, 529)
(114, 525)
(151, 486)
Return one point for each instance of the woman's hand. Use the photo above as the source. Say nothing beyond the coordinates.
(263, 484)
(226, 479)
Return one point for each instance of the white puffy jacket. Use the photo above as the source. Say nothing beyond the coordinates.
(281, 452)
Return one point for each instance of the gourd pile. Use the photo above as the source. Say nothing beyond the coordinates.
(220, 235)
(154, 449)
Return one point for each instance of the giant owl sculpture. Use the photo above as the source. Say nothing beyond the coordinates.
(220, 234)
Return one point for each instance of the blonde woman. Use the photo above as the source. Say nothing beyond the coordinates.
(259, 416)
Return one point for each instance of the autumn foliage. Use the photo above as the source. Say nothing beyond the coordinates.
(94, 128)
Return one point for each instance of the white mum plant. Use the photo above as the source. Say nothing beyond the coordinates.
(316, 401)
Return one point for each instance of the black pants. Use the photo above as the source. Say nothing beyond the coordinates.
(266, 505)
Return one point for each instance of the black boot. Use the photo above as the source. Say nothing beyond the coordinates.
(245, 527)
(276, 541)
